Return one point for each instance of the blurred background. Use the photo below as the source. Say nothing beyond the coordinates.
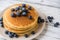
(46, 2)
(53, 3)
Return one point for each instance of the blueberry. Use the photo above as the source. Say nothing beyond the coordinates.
(12, 9)
(11, 35)
(39, 17)
(27, 11)
(39, 21)
(1, 19)
(13, 15)
(30, 17)
(32, 32)
(29, 7)
(24, 13)
(6, 32)
(23, 9)
(50, 20)
(18, 13)
(1, 22)
(23, 5)
(15, 35)
(26, 35)
(17, 8)
(57, 23)
(2, 25)
(50, 17)
(42, 20)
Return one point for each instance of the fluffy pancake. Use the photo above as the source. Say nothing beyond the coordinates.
(19, 28)
(20, 22)
(20, 25)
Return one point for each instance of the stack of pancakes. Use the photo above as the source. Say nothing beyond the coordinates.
(20, 25)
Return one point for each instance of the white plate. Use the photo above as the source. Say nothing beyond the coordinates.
(2, 30)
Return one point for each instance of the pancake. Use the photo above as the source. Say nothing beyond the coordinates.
(20, 32)
(20, 24)
(27, 32)
(19, 28)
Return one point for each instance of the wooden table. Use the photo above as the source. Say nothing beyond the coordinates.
(50, 32)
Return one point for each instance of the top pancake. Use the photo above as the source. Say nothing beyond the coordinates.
(20, 22)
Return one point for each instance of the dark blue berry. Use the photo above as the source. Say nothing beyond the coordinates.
(32, 32)
(29, 7)
(26, 35)
(6, 32)
(17, 8)
(23, 9)
(57, 23)
(15, 35)
(39, 17)
(24, 13)
(11, 35)
(23, 5)
(39, 21)
(1, 22)
(13, 15)
(12, 9)
(30, 17)
(50, 17)
(1, 18)
(18, 13)
(2, 25)
(50, 20)
(42, 20)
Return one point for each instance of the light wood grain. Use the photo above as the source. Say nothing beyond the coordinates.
(51, 32)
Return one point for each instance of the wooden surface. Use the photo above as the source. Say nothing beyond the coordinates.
(50, 32)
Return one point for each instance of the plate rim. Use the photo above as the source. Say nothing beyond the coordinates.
(44, 24)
